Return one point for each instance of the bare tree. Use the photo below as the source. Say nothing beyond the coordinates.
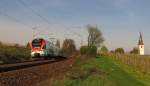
(69, 46)
(95, 37)
(28, 45)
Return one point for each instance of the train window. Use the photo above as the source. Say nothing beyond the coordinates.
(36, 43)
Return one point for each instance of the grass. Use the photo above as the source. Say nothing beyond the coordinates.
(101, 71)
(137, 62)
(133, 64)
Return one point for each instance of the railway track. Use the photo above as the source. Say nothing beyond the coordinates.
(36, 74)
(17, 66)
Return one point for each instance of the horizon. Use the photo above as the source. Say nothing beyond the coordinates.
(119, 20)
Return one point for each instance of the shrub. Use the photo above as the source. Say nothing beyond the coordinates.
(103, 50)
(119, 51)
(112, 51)
(13, 53)
(88, 50)
(68, 47)
(83, 50)
(134, 51)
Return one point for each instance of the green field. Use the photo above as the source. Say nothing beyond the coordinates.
(101, 71)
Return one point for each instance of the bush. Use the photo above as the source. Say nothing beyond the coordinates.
(119, 51)
(134, 51)
(68, 47)
(103, 50)
(88, 50)
(13, 53)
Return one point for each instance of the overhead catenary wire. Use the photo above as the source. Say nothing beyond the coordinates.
(43, 18)
(15, 19)
(77, 34)
(23, 3)
(33, 11)
(37, 14)
(3, 12)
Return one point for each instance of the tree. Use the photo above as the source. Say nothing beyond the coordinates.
(58, 43)
(68, 47)
(112, 51)
(119, 51)
(28, 45)
(104, 50)
(95, 37)
(88, 50)
(134, 51)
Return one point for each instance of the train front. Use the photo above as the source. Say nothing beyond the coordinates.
(37, 47)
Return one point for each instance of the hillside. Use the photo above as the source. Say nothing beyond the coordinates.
(101, 71)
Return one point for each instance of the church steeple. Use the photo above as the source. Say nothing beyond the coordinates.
(141, 45)
(140, 40)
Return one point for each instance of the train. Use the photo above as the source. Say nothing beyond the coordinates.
(43, 48)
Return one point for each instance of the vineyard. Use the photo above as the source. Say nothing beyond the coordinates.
(105, 71)
(139, 63)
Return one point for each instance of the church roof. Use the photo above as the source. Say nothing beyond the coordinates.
(140, 42)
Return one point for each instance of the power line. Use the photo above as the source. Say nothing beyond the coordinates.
(37, 14)
(3, 13)
(14, 19)
(22, 2)
(33, 11)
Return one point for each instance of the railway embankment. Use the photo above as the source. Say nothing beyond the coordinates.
(37, 75)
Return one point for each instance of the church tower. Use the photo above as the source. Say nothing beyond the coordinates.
(141, 45)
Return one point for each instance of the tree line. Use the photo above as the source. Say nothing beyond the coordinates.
(95, 44)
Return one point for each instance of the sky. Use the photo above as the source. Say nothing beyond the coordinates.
(119, 20)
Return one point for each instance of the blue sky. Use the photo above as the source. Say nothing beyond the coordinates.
(119, 20)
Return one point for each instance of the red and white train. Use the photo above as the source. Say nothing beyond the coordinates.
(43, 48)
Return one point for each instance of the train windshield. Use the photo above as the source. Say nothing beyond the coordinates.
(36, 43)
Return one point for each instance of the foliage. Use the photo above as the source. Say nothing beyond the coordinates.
(84, 50)
(13, 53)
(140, 63)
(112, 51)
(134, 51)
(103, 50)
(28, 45)
(95, 37)
(119, 51)
(68, 47)
(101, 71)
(88, 50)
(137, 63)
